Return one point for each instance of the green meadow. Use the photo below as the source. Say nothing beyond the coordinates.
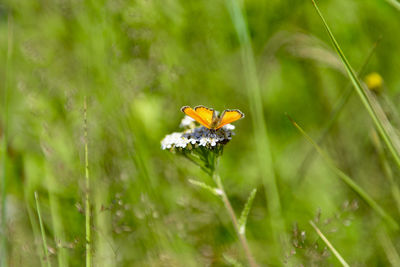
(309, 177)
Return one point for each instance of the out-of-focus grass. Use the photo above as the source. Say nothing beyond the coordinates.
(4, 135)
(332, 248)
(345, 178)
(138, 62)
(261, 138)
(45, 257)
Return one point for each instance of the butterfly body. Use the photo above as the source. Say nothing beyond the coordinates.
(208, 117)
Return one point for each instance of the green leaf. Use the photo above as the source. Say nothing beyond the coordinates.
(213, 190)
(231, 261)
(246, 211)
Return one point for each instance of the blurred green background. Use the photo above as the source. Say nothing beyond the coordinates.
(138, 62)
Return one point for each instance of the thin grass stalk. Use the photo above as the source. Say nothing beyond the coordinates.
(4, 206)
(231, 212)
(106, 254)
(258, 121)
(45, 249)
(87, 192)
(58, 227)
(4, 248)
(376, 115)
(340, 104)
(104, 247)
(345, 178)
(35, 228)
(330, 246)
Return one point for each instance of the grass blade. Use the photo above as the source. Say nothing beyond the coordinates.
(373, 107)
(330, 246)
(246, 211)
(46, 253)
(35, 230)
(58, 225)
(87, 192)
(345, 178)
(340, 104)
(386, 169)
(263, 148)
(4, 249)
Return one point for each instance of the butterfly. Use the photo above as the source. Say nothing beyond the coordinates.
(208, 117)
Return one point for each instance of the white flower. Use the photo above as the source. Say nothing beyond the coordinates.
(229, 127)
(213, 141)
(203, 141)
(186, 122)
(182, 142)
(170, 140)
(200, 136)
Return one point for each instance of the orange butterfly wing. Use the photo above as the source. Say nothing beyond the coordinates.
(228, 116)
(206, 113)
(201, 114)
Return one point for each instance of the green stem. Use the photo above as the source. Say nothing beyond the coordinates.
(45, 249)
(231, 212)
(87, 192)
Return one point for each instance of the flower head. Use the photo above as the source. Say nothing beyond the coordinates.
(374, 82)
(197, 136)
(199, 144)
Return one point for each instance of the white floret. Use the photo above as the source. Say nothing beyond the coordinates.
(228, 127)
(201, 136)
(186, 122)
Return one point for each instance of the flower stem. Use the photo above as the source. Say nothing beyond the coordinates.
(228, 206)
